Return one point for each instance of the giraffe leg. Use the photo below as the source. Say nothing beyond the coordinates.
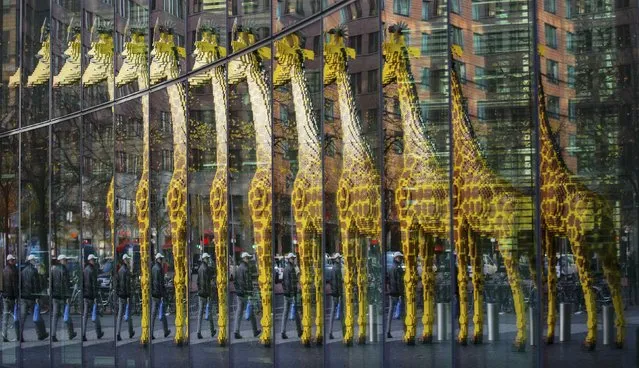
(362, 290)
(551, 280)
(142, 208)
(349, 284)
(613, 277)
(512, 269)
(305, 281)
(265, 278)
(410, 278)
(221, 256)
(583, 266)
(319, 289)
(428, 285)
(478, 287)
(462, 281)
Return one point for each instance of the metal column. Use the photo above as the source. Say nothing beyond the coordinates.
(565, 312)
(493, 321)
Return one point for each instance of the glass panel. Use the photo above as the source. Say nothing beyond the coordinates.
(250, 166)
(298, 222)
(588, 126)
(492, 188)
(130, 44)
(251, 15)
(290, 12)
(208, 204)
(36, 62)
(131, 208)
(416, 173)
(9, 223)
(98, 225)
(34, 237)
(168, 177)
(169, 26)
(9, 60)
(352, 192)
(66, 271)
(97, 50)
(66, 56)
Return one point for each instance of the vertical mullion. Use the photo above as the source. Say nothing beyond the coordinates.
(451, 148)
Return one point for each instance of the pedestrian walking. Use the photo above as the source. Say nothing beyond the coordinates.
(10, 292)
(289, 284)
(28, 298)
(205, 276)
(90, 295)
(243, 289)
(123, 289)
(396, 290)
(336, 281)
(158, 295)
(61, 292)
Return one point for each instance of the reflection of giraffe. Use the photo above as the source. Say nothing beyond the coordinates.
(41, 72)
(422, 191)
(358, 193)
(249, 67)
(486, 205)
(569, 209)
(307, 188)
(165, 66)
(71, 70)
(207, 51)
(134, 68)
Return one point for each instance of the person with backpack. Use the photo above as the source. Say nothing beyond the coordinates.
(396, 290)
(205, 275)
(289, 284)
(243, 289)
(123, 289)
(90, 294)
(60, 292)
(29, 298)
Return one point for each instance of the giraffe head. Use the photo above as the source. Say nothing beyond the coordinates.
(289, 53)
(100, 66)
(165, 56)
(41, 72)
(207, 50)
(134, 58)
(70, 72)
(396, 53)
(336, 54)
(238, 67)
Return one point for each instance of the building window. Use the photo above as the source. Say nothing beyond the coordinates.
(550, 6)
(355, 42)
(425, 41)
(329, 111)
(552, 71)
(552, 106)
(570, 42)
(619, 4)
(372, 80)
(572, 110)
(572, 144)
(317, 44)
(481, 110)
(551, 36)
(165, 121)
(571, 76)
(373, 42)
(283, 113)
(624, 76)
(461, 70)
(480, 79)
(357, 82)
(478, 43)
(623, 36)
(455, 6)
(371, 117)
(458, 36)
(426, 11)
(425, 80)
(569, 8)
(401, 7)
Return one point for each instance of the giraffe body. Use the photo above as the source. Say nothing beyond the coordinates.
(358, 193)
(307, 187)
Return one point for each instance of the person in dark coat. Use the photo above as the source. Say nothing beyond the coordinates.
(123, 289)
(10, 287)
(396, 290)
(29, 297)
(205, 276)
(90, 294)
(243, 290)
(60, 292)
(289, 284)
(158, 294)
(336, 282)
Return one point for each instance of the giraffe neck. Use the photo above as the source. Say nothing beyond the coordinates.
(415, 141)
(307, 129)
(354, 145)
(261, 106)
(550, 162)
(220, 102)
(143, 83)
(177, 101)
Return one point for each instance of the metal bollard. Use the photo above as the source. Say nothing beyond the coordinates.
(565, 312)
(372, 321)
(493, 321)
(532, 331)
(442, 321)
(608, 325)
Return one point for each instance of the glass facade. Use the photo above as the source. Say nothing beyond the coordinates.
(261, 183)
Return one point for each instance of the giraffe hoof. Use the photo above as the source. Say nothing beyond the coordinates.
(348, 341)
(409, 340)
(266, 342)
(588, 345)
(519, 347)
(478, 339)
(319, 340)
(550, 340)
(619, 344)
(427, 339)
(221, 342)
(306, 341)
(462, 341)
(361, 340)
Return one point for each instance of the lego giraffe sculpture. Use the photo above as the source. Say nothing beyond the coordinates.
(358, 193)
(249, 67)
(165, 66)
(307, 187)
(485, 205)
(422, 192)
(569, 209)
(41, 72)
(71, 70)
(134, 68)
(207, 51)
